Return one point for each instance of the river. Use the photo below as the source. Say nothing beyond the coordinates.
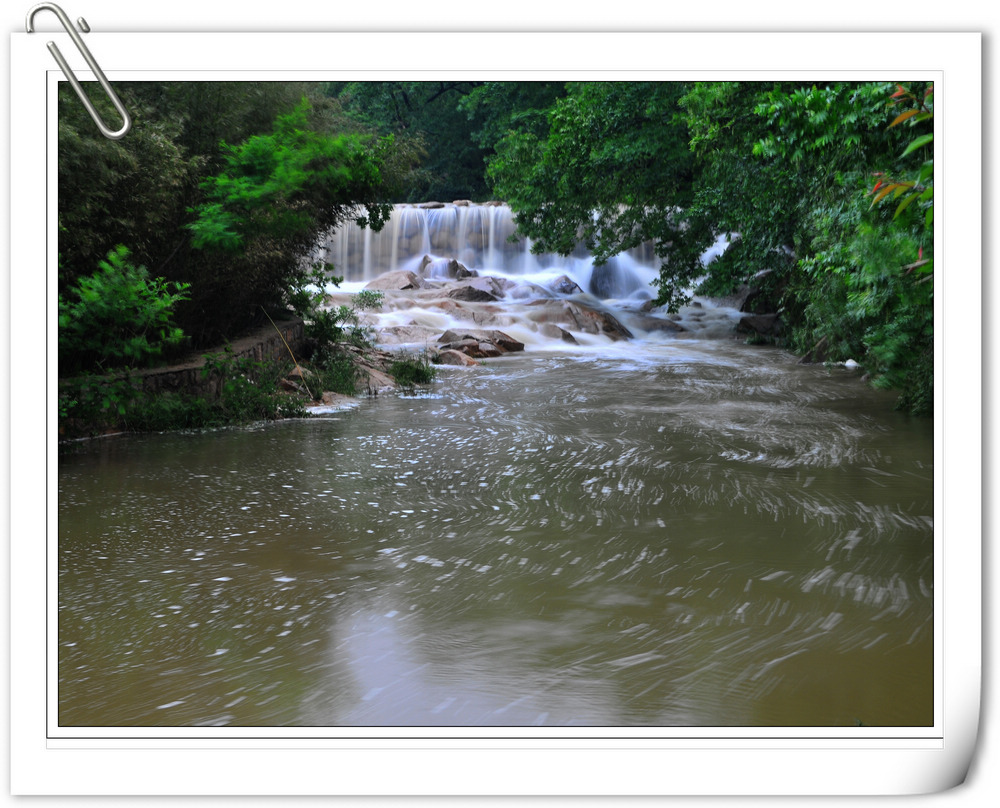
(681, 531)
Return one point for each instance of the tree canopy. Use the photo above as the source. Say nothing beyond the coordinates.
(221, 188)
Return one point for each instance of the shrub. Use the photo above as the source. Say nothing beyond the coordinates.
(410, 372)
(249, 389)
(117, 317)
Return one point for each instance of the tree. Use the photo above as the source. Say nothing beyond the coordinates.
(612, 169)
(265, 210)
(854, 275)
(426, 118)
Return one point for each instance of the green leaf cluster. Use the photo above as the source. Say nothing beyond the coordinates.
(785, 168)
(611, 170)
(289, 185)
(117, 317)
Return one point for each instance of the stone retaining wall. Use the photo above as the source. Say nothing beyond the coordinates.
(186, 377)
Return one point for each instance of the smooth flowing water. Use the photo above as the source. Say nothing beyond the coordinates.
(676, 532)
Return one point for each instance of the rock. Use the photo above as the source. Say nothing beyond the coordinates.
(472, 295)
(564, 285)
(405, 334)
(528, 290)
(647, 323)
(471, 340)
(555, 332)
(444, 268)
(767, 325)
(457, 358)
(374, 380)
(495, 286)
(430, 205)
(491, 316)
(300, 373)
(462, 203)
(397, 281)
(592, 321)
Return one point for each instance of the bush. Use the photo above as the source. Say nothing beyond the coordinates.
(250, 389)
(336, 370)
(117, 317)
(410, 372)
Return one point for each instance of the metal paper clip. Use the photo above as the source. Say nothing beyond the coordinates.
(67, 71)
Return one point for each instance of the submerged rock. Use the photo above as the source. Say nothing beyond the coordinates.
(479, 343)
(452, 357)
(472, 294)
(648, 323)
(553, 331)
(593, 321)
(398, 281)
(405, 334)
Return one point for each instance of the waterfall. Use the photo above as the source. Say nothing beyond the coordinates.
(480, 237)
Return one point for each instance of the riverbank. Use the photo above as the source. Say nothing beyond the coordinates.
(262, 376)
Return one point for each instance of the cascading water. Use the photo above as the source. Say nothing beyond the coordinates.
(445, 243)
(481, 237)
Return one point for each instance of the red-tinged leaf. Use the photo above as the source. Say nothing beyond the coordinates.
(903, 116)
(877, 186)
(920, 253)
(884, 192)
(899, 92)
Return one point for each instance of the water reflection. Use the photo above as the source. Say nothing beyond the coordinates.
(685, 535)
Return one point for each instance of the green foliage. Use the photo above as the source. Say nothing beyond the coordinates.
(291, 185)
(249, 389)
(612, 169)
(327, 327)
(783, 167)
(269, 205)
(96, 400)
(117, 317)
(409, 372)
(444, 160)
(788, 167)
(129, 191)
(337, 370)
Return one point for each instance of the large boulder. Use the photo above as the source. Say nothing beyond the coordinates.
(479, 342)
(648, 323)
(406, 334)
(399, 280)
(456, 358)
(564, 285)
(471, 294)
(553, 331)
(594, 321)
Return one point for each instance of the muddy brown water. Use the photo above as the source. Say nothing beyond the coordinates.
(692, 533)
